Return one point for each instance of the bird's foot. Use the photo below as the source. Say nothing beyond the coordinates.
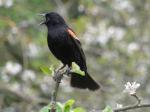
(61, 67)
(58, 76)
(68, 71)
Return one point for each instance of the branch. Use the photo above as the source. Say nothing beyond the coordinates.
(54, 94)
(131, 107)
(137, 98)
(57, 77)
(135, 106)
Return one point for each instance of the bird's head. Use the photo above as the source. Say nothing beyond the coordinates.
(52, 19)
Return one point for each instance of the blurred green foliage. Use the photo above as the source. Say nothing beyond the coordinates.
(108, 109)
(66, 107)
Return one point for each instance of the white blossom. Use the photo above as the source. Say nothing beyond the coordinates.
(28, 75)
(15, 86)
(132, 47)
(131, 87)
(1, 3)
(81, 8)
(14, 30)
(116, 32)
(119, 105)
(6, 3)
(132, 21)
(32, 50)
(123, 5)
(5, 77)
(12, 68)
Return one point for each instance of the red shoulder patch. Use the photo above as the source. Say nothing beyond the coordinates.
(72, 33)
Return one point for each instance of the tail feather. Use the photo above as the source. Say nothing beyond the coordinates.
(83, 82)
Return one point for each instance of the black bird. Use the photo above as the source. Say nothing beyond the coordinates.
(66, 47)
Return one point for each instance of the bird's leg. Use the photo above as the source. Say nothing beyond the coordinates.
(58, 75)
(68, 70)
(60, 68)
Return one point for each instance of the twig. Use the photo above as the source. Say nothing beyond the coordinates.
(131, 107)
(54, 94)
(137, 98)
(135, 106)
(58, 77)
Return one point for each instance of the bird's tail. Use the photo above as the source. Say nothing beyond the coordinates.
(83, 82)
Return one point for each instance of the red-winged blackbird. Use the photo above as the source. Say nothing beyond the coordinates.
(66, 47)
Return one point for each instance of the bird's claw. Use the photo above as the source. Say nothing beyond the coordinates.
(58, 76)
(68, 71)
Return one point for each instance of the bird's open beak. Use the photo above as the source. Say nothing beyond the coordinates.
(44, 14)
(44, 21)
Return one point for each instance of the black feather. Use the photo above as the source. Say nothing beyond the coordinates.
(66, 48)
(83, 82)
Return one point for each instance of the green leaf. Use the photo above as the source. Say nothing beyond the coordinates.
(45, 109)
(76, 69)
(68, 105)
(47, 70)
(59, 108)
(79, 109)
(107, 109)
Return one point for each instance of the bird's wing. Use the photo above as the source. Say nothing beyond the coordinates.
(81, 61)
(73, 35)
